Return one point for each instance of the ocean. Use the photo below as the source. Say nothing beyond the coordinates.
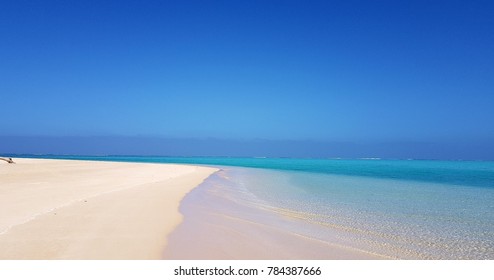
(398, 209)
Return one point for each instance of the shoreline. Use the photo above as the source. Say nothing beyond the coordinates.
(77, 209)
(224, 221)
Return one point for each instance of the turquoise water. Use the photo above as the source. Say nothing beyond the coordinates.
(409, 209)
(465, 173)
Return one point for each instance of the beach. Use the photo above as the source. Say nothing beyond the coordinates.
(72, 209)
(245, 209)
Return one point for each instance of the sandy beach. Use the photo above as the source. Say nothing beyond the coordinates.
(68, 209)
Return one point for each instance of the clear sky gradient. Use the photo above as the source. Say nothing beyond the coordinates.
(359, 78)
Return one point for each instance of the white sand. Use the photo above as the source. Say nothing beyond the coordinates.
(67, 209)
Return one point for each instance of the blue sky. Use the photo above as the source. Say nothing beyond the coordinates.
(365, 73)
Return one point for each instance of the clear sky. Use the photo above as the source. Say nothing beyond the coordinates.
(406, 74)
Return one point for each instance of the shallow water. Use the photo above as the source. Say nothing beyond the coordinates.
(394, 218)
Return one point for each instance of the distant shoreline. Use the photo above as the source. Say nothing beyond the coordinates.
(111, 157)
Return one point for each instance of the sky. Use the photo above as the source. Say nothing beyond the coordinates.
(405, 79)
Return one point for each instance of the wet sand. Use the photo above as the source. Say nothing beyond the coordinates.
(221, 222)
